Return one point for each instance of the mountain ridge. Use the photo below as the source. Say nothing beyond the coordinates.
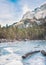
(37, 17)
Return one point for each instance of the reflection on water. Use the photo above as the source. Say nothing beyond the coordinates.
(11, 51)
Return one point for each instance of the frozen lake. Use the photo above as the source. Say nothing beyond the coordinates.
(11, 53)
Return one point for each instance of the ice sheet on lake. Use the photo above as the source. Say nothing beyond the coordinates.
(11, 50)
(11, 59)
(19, 49)
(37, 59)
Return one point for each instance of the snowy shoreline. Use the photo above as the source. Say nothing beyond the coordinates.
(6, 40)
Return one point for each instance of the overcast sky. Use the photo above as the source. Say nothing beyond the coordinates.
(11, 11)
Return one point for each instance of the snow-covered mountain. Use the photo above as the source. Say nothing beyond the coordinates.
(39, 12)
(33, 18)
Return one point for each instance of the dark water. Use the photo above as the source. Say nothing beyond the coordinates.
(22, 47)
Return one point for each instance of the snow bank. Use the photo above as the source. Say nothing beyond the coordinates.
(11, 59)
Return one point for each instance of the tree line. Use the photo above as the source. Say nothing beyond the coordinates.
(32, 33)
